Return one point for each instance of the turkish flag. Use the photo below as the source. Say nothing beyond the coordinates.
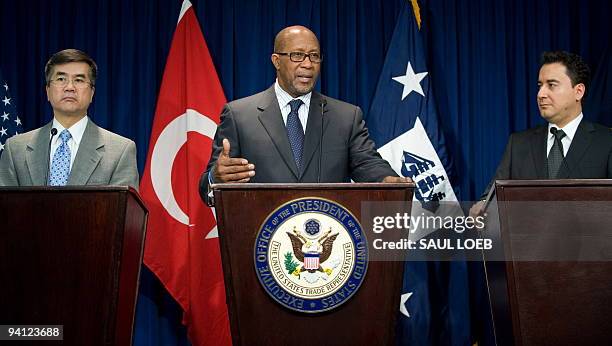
(182, 244)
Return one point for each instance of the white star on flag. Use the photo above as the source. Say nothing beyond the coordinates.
(403, 300)
(411, 81)
(11, 124)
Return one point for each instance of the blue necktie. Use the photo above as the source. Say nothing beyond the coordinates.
(60, 166)
(295, 131)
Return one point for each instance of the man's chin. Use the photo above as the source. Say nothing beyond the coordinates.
(304, 90)
(546, 115)
(70, 112)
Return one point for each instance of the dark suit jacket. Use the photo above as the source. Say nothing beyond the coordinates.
(589, 155)
(255, 129)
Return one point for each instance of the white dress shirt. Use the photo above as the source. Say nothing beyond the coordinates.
(570, 132)
(283, 103)
(76, 131)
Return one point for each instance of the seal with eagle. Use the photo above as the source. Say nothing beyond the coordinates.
(320, 250)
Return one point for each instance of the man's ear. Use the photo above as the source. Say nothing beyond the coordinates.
(275, 61)
(580, 90)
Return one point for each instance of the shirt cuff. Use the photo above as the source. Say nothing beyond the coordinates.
(210, 182)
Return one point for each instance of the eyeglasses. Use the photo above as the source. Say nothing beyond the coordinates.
(62, 81)
(314, 57)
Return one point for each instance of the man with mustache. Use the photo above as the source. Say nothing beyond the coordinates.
(275, 136)
(71, 149)
(568, 147)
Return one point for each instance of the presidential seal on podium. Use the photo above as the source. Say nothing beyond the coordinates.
(311, 255)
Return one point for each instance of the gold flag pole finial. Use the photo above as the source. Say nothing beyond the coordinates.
(417, 12)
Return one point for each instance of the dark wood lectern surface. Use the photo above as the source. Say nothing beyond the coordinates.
(71, 256)
(368, 318)
(548, 301)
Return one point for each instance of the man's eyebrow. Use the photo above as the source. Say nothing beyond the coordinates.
(61, 73)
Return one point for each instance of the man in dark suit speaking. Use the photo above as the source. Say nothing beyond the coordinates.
(290, 133)
(568, 147)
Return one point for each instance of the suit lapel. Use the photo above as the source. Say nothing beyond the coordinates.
(313, 129)
(37, 155)
(580, 143)
(88, 156)
(538, 143)
(272, 120)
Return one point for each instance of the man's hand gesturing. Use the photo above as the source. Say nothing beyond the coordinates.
(232, 170)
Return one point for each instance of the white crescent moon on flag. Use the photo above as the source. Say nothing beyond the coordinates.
(168, 144)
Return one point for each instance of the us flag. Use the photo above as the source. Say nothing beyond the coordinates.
(10, 124)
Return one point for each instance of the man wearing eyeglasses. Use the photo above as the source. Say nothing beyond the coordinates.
(71, 149)
(290, 133)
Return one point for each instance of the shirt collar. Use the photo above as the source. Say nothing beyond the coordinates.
(569, 129)
(76, 131)
(284, 98)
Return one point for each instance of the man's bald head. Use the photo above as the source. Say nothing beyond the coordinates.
(286, 35)
(298, 76)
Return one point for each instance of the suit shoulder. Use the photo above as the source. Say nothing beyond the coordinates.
(343, 111)
(113, 138)
(249, 102)
(26, 137)
(602, 130)
(601, 135)
(335, 104)
(534, 131)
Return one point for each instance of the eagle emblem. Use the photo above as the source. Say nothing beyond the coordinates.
(311, 252)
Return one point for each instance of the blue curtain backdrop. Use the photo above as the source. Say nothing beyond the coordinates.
(483, 61)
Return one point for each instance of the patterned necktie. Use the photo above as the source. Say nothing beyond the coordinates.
(555, 156)
(295, 131)
(60, 166)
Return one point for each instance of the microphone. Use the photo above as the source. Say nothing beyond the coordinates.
(53, 133)
(322, 103)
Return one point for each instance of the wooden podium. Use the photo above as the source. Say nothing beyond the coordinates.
(71, 256)
(560, 292)
(368, 318)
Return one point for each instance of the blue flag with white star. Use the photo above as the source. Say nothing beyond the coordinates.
(10, 124)
(403, 121)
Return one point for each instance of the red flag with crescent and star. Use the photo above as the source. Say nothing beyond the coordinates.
(182, 244)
